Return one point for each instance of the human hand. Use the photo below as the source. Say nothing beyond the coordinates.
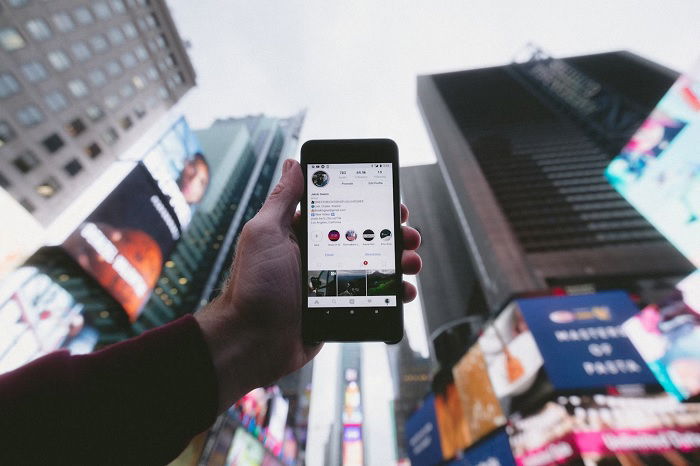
(253, 329)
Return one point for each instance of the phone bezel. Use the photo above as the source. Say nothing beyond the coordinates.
(338, 323)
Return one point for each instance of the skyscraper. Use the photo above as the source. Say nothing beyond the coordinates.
(522, 149)
(79, 83)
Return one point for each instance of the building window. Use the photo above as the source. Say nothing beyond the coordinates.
(163, 93)
(118, 6)
(138, 82)
(129, 60)
(48, 188)
(101, 10)
(34, 71)
(170, 61)
(111, 102)
(116, 37)
(152, 21)
(110, 136)
(10, 39)
(53, 143)
(97, 77)
(73, 167)
(29, 116)
(56, 101)
(126, 123)
(78, 87)
(94, 113)
(81, 52)
(38, 29)
(8, 85)
(113, 68)
(141, 53)
(63, 22)
(59, 60)
(27, 205)
(93, 150)
(177, 78)
(17, 3)
(140, 111)
(76, 127)
(152, 73)
(129, 30)
(126, 91)
(7, 134)
(4, 182)
(83, 15)
(161, 42)
(99, 43)
(26, 161)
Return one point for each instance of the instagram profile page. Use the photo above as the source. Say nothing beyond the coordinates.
(351, 235)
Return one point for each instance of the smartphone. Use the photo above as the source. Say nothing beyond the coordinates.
(351, 241)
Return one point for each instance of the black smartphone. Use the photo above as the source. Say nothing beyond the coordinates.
(351, 241)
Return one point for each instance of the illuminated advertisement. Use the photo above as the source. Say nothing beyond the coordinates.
(609, 430)
(587, 330)
(123, 243)
(480, 407)
(37, 317)
(422, 435)
(493, 450)
(179, 167)
(353, 454)
(667, 335)
(511, 356)
(245, 450)
(454, 434)
(658, 171)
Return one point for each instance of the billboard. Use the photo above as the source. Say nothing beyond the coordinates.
(480, 407)
(582, 342)
(179, 167)
(667, 335)
(245, 450)
(658, 171)
(353, 450)
(422, 436)
(124, 241)
(38, 316)
(493, 450)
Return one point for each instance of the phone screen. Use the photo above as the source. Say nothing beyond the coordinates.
(351, 237)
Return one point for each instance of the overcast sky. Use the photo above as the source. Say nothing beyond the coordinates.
(354, 66)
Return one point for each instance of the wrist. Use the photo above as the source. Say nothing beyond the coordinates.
(229, 351)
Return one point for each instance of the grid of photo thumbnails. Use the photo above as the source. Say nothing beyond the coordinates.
(352, 283)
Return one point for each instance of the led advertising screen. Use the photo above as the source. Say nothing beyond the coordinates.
(582, 342)
(245, 450)
(658, 171)
(39, 316)
(123, 243)
(493, 450)
(180, 168)
(667, 335)
(422, 435)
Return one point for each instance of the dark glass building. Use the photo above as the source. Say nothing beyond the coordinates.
(522, 150)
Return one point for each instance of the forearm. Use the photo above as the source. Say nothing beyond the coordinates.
(137, 402)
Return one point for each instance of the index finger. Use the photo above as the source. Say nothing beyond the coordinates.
(404, 213)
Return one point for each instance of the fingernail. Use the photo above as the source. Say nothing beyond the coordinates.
(286, 166)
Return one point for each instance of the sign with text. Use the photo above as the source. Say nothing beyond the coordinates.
(582, 342)
(124, 241)
(422, 436)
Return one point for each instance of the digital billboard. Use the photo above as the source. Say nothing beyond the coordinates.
(124, 241)
(667, 335)
(38, 316)
(422, 434)
(245, 450)
(582, 342)
(658, 171)
(180, 168)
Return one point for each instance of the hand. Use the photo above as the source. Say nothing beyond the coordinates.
(253, 329)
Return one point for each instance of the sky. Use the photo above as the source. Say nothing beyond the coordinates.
(353, 66)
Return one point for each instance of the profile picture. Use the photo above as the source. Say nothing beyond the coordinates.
(320, 178)
(385, 234)
(334, 235)
(368, 235)
(350, 235)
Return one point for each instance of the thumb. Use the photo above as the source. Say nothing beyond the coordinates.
(282, 201)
